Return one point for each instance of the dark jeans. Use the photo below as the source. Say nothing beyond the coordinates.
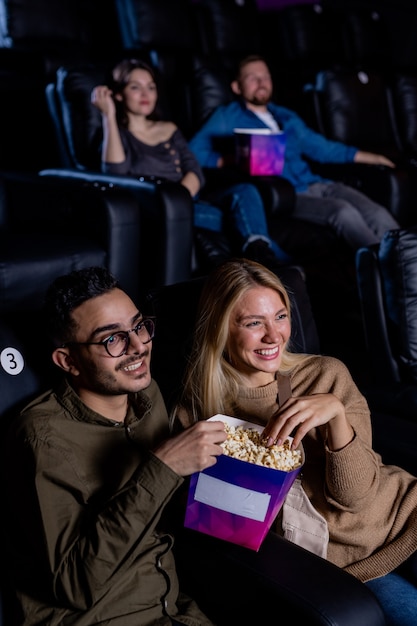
(397, 594)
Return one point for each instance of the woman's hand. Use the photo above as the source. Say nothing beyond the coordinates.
(102, 99)
(299, 415)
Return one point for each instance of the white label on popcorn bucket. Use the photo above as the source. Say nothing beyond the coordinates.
(235, 500)
(231, 498)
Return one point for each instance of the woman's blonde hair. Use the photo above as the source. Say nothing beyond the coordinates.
(211, 382)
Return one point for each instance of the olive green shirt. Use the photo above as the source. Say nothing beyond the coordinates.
(85, 499)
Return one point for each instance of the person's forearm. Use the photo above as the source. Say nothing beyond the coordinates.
(373, 159)
(339, 433)
(112, 149)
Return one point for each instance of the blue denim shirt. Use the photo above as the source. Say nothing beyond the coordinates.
(301, 141)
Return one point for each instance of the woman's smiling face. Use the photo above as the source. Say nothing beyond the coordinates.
(259, 329)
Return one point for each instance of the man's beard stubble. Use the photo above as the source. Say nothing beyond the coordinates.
(261, 100)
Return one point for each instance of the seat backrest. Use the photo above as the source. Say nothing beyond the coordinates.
(398, 266)
(59, 32)
(306, 36)
(313, 36)
(355, 108)
(387, 283)
(404, 87)
(27, 143)
(209, 89)
(26, 367)
(366, 38)
(36, 38)
(156, 24)
(76, 121)
(51, 225)
(229, 30)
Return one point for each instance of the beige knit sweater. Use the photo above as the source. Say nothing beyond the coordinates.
(370, 508)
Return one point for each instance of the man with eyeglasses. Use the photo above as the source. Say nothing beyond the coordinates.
(92, 467)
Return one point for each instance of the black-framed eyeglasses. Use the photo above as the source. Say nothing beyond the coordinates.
(118, 343)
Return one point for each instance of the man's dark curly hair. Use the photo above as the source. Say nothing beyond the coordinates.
(67, 292)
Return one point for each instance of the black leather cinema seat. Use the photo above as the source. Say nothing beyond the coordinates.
(387, 283)
(404, 95)
(50, 227)
(355, 107)
(36, 37)
(54, 33)
(166, 208)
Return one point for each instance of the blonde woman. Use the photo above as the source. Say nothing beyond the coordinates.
(242, 365)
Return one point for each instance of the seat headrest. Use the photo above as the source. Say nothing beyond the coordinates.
(211, 88)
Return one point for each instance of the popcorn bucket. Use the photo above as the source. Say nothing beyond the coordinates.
(260, 151)
(236, 500)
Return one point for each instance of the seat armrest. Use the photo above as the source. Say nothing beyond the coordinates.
(235, 585)
(390, 187)
(277, 193)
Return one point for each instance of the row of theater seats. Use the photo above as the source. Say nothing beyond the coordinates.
(313, 34)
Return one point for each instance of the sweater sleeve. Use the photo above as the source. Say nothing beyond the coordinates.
(352, 476)
(352, 473)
